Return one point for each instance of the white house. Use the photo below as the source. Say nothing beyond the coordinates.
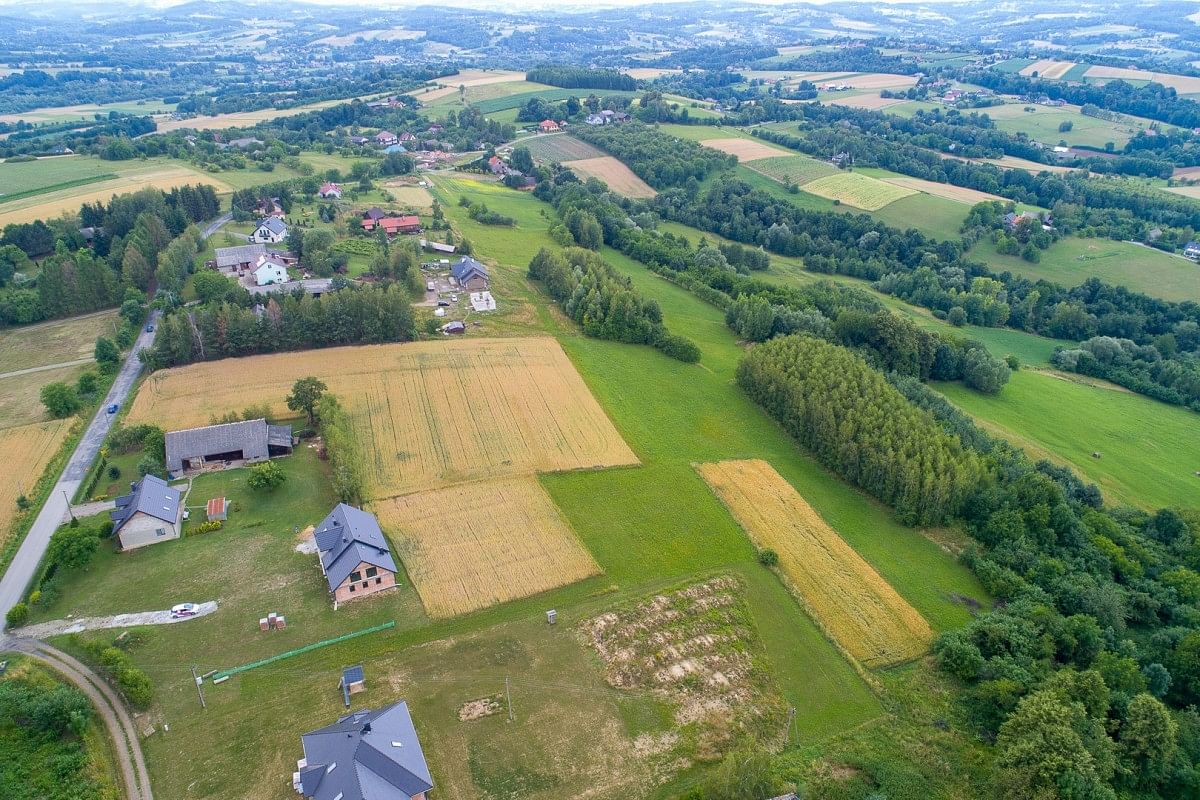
(147, 515)
(271, 230)
(269, 271)
(330, 189)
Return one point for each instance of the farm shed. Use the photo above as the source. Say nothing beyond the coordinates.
(250, 441)
(354, 555)
(470, 274)
(364, 755)
(437, 247)
(217, 510)
(147, 515)
(239, 258)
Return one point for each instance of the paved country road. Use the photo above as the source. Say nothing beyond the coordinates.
(24, 565)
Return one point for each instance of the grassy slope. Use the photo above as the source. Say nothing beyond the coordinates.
(1073, 260)
(1148, 449)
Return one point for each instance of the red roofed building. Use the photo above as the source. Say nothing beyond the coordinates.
(548, 126)
(394, 225)
(330, 190)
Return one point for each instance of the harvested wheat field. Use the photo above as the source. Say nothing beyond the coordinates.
(846, 596)
(476, 545)
(869, 101)
(428, 414)
(619, 177)
(745, 149)
(26, 450)
(1181, 83)
(858, 190)
(1048, 68)
(467, 78)
(947, 190)
(879, 80)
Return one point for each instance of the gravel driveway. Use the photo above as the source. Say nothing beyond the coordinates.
(61, 626)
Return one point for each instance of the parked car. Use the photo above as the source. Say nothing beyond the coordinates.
(183, 610)
(149, 329)
(443, 303)
(112, 408)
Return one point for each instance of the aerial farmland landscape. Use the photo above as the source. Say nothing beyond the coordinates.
(661, 401)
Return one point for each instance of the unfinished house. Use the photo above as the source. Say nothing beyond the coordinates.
(230, 444)
(355, 557)
(147, 515)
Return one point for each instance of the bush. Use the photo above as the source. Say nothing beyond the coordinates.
(266, 476)
(17, 615)
(679, 347)
(114, 472)
(60, 399)
(208, 527)
(768, 557)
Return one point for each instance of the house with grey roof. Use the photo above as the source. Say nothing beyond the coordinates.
(271, 230)
(239, 258)
(367, 755)
(470, 274)
(355, 557)
(147, 515)
(229, 443)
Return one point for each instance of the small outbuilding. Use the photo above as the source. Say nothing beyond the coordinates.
(217, 510)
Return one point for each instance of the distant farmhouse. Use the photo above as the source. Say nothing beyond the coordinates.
(268, 271)
(355, 557)
(1192, 250)
(329, 190)
(367, 755)
(392, 226)
(386, 139)
(246, 442)
(147, 515)
(470, 274)
(549, 126)
(271, 230)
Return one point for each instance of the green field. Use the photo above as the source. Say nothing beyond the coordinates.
(1073, 260)
(27, 178)
(1148, 450)
(857, 190)
(797, 169)
(1042, 125)
(560, 147)
(938, 217)
(501, 103)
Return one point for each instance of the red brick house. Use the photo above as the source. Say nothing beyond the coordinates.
(548, 126)
(354, 555)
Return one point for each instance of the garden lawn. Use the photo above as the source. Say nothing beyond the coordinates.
(1148, 450)
(1072, 260)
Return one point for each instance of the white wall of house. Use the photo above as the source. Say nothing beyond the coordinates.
(270, 273)
(143, 529)
(265, 236)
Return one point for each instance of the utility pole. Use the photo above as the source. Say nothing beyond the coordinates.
(199, 687)
(508, 698)
(787, 736)
(69, 511)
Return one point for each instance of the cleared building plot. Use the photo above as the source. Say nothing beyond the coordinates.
(1048, 68)
(848, 598)
(797, 169)
(416, 197)
(620, 178)
(560, 147)
(745, 149)
(26, 450)
(857, 190)
(479, 544)
(428, 414)
(947, 190)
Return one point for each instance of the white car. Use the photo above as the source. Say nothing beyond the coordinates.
(183, 610)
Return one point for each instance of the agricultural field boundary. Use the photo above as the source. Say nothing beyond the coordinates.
(54, 187)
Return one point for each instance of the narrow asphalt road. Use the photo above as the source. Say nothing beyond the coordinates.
(111, 708)
(216, 224)
(24, 565)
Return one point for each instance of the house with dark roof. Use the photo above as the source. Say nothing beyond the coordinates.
(271, 230)
(367, 755)
(147, 515)
(239, 258)
(1192, 250)
(374, 213)
(470, 274)
(407, 137)
(354, 555)
(243, 442)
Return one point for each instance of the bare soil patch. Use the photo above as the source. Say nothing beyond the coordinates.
(745, 149)
(613, 172)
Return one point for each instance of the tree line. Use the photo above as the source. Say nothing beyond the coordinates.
(604, 302)
(657, 158)
(570, 77)
(296, 321)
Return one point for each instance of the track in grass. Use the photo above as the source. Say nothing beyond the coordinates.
(475, 545)
(847, 597)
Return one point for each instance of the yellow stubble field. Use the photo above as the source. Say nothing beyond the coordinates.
(26, 450)
(847, 597)
(478, 544)
(427, 414)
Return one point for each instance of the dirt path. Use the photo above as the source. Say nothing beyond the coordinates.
(60, 626)
(46, 367)
(121, 731)
(90, 509)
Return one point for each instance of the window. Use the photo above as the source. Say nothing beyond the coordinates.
(378, 581)
(352, 587)
(160, 532)
(355, 577)
(372, 572)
